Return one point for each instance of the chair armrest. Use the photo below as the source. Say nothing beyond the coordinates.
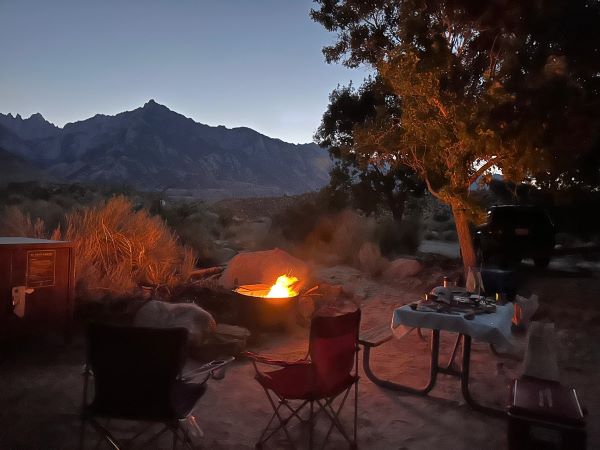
(256, 358)
(86, 370)
(214, 369)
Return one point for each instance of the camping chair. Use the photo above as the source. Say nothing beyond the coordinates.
(329, 372)
(137, 376)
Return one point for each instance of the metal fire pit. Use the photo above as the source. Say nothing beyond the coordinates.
(257, 311)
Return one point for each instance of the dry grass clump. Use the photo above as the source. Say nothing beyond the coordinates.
(16, 223)
(116, 248)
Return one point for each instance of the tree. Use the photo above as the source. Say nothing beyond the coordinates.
(368, 183)
(511, 86)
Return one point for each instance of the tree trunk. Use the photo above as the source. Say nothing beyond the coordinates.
(465, 240)
(396, 202)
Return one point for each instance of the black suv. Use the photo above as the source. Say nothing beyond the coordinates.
(512, 233)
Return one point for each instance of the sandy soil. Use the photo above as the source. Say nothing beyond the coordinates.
(40, 384)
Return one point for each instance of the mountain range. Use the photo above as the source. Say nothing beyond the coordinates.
(154, 148)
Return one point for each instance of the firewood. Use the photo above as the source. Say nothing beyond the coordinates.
(203, 273)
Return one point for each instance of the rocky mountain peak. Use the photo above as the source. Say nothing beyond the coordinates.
(153, 147)
(37, 117)
(152, 105)
(35, 126)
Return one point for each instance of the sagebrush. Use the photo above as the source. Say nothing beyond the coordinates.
(117, 248)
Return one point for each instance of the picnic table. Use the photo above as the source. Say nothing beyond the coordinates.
(493, 328)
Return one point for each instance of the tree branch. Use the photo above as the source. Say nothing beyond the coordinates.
(483, 169)
(431, 190)
(439, 106)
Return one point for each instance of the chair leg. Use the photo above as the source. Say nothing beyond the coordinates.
(186, 438)
(311, 425)
(82, 433)
(105, 435)
(192, 420)
(156, 436)
(282, 421)
(175, 438)
(355, 414)
(333, 416)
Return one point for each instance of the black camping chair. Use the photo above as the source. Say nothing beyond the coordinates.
(137, 376)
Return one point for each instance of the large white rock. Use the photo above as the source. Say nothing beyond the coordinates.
(263, 267)
(402, 268)
(196, 320)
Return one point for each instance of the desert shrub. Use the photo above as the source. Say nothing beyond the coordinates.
(64, 201)
(370, 259)
(337, 238)
(197, 227)
(299, 220)
(15, 222)
(442, 215)
(118, 248)
(450, 235)
(249, 235)
(430, 235)
(225, 218)
(51, 213)
(196, 236)
(399, 238)
(441, 227)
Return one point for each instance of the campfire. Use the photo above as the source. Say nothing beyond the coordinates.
(282, 288)
(269, 306)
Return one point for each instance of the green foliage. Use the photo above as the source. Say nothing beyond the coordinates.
(300, 219)
(196, 226)
(397, 239)
(367, 184)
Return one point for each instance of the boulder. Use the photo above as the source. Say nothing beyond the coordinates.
(263, 267)
(402, 268)
(196, 320)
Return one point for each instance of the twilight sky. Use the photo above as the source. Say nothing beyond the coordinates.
(254, 63)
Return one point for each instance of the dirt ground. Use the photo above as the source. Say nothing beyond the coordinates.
(40, 383)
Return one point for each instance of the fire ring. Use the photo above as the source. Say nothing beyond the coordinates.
(266, 306)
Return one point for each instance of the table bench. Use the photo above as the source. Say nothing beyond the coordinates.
(375, 337)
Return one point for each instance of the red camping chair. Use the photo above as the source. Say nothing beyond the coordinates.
(328, 373)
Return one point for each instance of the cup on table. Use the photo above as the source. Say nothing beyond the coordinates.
(501, 298)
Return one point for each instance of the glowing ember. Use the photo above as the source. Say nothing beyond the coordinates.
(283, 287)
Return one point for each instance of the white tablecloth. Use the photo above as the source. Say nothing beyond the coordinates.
(494, 328)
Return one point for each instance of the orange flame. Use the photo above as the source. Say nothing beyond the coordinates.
(283, 287)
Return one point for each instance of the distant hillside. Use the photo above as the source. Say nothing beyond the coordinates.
(14, 169)
(154, 148)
